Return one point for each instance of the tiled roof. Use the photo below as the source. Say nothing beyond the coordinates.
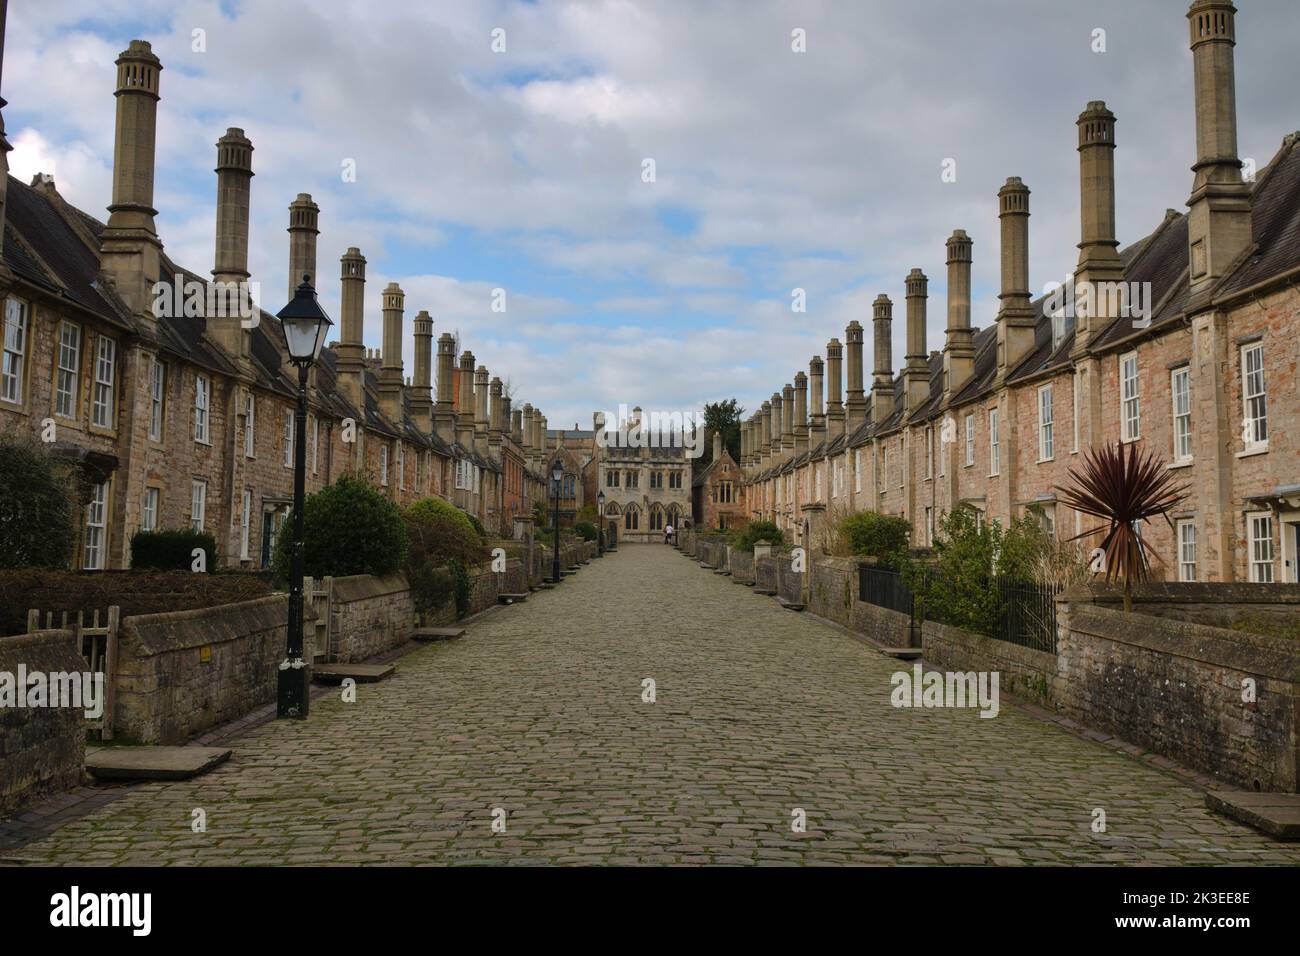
(1275, 220)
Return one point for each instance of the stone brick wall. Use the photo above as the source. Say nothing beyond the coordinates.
(1219, 605)
(369, 615)
(184, 672)
(1023, 671)
(741, 564)
(42, 750)
(1177, 688)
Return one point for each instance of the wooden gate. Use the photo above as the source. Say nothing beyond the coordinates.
(98, 645)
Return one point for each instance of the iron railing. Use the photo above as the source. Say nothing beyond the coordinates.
(885, 588)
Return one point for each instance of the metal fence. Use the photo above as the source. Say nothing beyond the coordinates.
(1026, 611)
(885, 588)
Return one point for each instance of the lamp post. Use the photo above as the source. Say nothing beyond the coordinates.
(600, 523)
(557, 475)
(304, 325)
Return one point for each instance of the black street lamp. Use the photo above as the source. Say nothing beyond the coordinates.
(600, 523)
(557, 475)
(304, 324)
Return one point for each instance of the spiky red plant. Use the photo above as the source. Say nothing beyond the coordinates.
(1123, 488)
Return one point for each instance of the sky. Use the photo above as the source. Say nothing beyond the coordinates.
(507, 146)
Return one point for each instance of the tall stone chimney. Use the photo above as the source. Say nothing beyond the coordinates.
(390, 368)
(129, 247)
(230, 270)
(916, 373)
(420, 391)
(351, 352)
(1099, 260)
(834, 380)
(496, 415)
(1015, 315)
(882, 378)
(800, 412)
(465, 413)
(856, 404)
(817, 423)
(444, 412)
(526, 439)
(516, 426)
(764, 448)
(959, 343)
(1219, 224)
(778, 426)
(482, 410)
(717, 445)
(304, 219)
(787, 420)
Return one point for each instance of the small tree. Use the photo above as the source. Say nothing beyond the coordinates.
(757, 531)
(1124, 489)
(349, 527)
(39, 505)
(883, 537)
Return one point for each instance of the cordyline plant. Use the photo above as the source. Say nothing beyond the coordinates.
(1124, 488)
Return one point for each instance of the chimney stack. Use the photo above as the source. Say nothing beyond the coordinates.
(1219, 222)
(421, 396)
(444, 413)
(304, 217)
(882, 378)
(495, 417)
(856, 403)
(817, 427)
(717, 445)
(958, 344)
(787, 420)
(465, 414)
(916, 371)
(526, 438)
(482, 420)
(1099, 260)
(517, 426)
(390, 368)
(230, 270)
(778, 426)
(764, 449)
(130, 252)
(1015, 314)
(800, 412)
(351, 353)
(834, 378)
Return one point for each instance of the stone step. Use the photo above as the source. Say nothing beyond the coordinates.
(790, 605)
(153, 763)
(766, 592)
(512, 598)
(541, 586)
(903, 653)
(723, 571)
(361, 673)
(437, 633)
(1277, 814)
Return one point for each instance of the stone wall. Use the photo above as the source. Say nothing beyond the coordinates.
(184, 672)
(42, 750)
(369, 615)
(1237, 604)
(1023, 671)
(1177, 688)
(741, 564)
(789, 581)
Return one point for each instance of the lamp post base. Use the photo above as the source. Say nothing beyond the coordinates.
(292, 699)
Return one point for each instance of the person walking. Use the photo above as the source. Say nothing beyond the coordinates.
(668, 534)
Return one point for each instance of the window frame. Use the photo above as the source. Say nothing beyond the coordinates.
(15, 371)
(73, 373)
(1184, 373)
(1182, 543)
(970, 440)
(202, 408)
(1130, 425)
(198, 503)
(1260, 570)
(1046, 422)
(96, 528)
(157, 399)
(103, 394)
(995, 442)
(1247, 397)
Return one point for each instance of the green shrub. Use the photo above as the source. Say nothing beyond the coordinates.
(757, 531)
(438, 532)
(883, 537)
(349, 527)
(39, 505)
(172, 549)
(586, 530)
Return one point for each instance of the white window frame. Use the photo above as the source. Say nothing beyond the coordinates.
(202, 400)
(995, 443)
(1130, 398)
(157, 399)
(1254, 398)
(929, 452)
(1181, 413)
(383, 464)
(857, 470)
(245, 516)
(13, 367)
(67, 377)
(970, 440)
(1080, 375)
(149, 510)
(1046, 423)
(198, 503)
(1261, 552)
(1185, 548)
(287, 437)
(315, 443)
(250, 427)
(103, 405)
(96, 543)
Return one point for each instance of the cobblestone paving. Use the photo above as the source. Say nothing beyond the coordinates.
(538, 710)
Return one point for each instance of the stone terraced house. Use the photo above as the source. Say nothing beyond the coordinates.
(187, 419)
(646, 479)
(1203, 372)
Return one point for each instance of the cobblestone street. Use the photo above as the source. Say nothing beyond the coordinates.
(538, 711)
